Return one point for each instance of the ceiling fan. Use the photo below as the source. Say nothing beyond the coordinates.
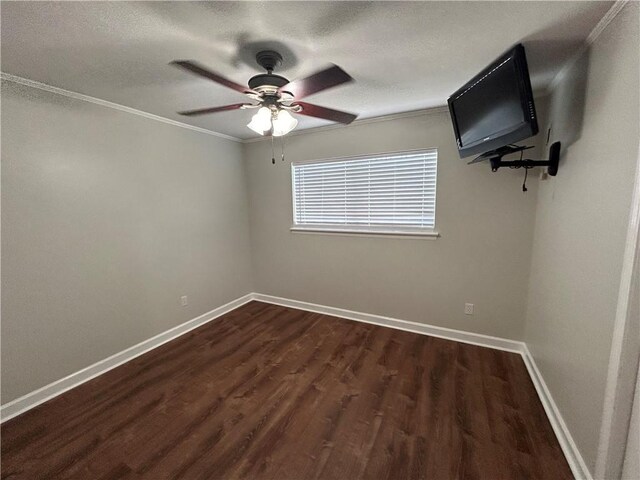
(275, 95)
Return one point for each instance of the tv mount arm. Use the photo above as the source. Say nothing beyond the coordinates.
(495, 158)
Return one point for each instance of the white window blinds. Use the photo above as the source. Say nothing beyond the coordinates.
(390, 192)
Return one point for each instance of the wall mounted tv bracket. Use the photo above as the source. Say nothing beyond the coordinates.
(495, 158)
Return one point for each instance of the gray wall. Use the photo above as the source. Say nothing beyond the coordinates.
(580, 230)
(108, 218)
(483, 257)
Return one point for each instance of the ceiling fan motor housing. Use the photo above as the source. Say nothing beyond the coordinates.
(268, 82)
(258, 82)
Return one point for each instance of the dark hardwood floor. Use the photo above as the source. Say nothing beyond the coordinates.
(267, 392)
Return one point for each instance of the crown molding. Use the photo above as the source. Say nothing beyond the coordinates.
(116, 106)
(615, 9)
(600, 27)
(364, 121)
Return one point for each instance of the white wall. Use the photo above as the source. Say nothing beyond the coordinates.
(108, 218)
(581, 225)
(483, 256)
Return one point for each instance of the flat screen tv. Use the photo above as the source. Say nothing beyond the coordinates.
(495, 108)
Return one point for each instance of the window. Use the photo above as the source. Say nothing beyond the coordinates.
(392, 193)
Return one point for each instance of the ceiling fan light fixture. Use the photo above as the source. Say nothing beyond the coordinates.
(283, 123)
(261, 121)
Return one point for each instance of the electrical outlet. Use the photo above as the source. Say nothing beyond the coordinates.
(468, 308)
(184, 301)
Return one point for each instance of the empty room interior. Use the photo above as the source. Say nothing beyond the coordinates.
(330, 240)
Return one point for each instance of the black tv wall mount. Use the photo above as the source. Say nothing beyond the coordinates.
(495, 158)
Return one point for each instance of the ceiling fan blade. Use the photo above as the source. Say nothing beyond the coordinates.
(194, 67)
(204, 111)
(319, 81)
(325, 113)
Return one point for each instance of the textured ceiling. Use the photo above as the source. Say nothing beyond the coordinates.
(403, 55)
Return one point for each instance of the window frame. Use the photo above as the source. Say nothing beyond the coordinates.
(364, 230)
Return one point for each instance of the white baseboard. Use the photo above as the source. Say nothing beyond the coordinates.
(415, 327)
(576, 462)
(569, 448)
(41, 395)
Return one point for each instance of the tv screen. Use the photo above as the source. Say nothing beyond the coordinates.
(495, 108)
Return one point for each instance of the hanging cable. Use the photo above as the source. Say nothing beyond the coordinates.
(282, 143)
(526, 173)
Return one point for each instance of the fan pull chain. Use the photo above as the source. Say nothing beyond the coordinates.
(283, 141)
(273, 155)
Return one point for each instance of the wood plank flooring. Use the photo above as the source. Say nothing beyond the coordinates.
(268, 392)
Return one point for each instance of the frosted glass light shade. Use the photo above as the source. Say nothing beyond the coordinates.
(261, 121)
(283, 123)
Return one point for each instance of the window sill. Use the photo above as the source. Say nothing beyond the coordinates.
(430, 235)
